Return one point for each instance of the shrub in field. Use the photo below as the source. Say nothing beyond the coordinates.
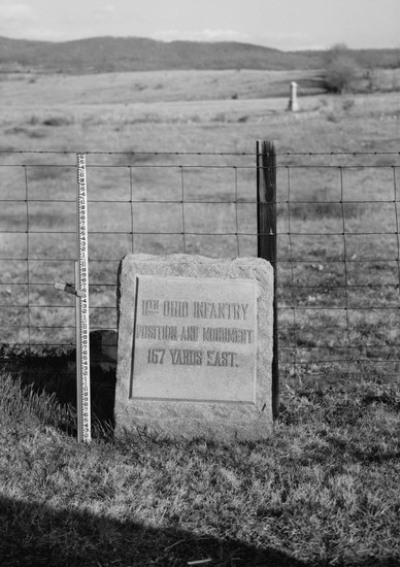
(348, 104)
(341, 69)
(219, 117)
(340, 74)
(58, 121)
(28, 132)
(34, 120)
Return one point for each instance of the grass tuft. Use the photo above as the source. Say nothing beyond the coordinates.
(322, 490)
(58, 121)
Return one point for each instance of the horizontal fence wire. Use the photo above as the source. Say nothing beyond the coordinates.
(338, 245)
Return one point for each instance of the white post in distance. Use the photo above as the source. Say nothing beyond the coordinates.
(293, 105)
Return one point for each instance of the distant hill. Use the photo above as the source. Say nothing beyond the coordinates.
(109, 54)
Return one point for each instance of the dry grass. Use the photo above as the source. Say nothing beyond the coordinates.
(322, 491)
(153, 86)
(75, 120)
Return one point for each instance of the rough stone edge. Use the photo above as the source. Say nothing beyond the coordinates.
(249, 419)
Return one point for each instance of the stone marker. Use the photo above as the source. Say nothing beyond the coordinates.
(293, 105)
(195, 346)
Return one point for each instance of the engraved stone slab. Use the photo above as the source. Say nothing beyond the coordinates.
(195, 346)
(194, 339)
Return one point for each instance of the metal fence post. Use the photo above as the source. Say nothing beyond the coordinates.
(266, 241)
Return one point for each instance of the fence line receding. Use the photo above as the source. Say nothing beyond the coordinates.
(337, 245)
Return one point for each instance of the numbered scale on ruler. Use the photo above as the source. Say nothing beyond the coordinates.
(82, 307)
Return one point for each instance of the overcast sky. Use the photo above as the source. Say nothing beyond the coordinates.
(283, 24)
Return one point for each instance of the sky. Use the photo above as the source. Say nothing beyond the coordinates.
(281, 24)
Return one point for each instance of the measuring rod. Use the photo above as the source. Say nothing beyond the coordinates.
(82, 307)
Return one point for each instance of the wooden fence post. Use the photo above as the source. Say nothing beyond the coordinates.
(266, 241)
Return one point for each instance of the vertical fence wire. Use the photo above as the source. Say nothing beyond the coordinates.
(292, 276)
(235, 181)
(312, 287)
(28, 283)
(396, 212)
(131, 207)
(346, 277)
(183, 209)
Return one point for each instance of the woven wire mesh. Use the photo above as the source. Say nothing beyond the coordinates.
(338, 267)
(338, 263)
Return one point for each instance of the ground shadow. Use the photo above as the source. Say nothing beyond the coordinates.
(57, 375)
(40, 536)
(373, 454)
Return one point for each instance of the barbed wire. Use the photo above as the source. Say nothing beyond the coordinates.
(89, 152)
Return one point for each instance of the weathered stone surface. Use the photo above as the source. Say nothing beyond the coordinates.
(195, 346)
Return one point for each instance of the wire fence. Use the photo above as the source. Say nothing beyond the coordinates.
(339, 268)
(337, 245)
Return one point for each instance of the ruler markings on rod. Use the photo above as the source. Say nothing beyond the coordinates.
(82, 304)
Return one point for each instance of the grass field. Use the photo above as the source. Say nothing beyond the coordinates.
(323, 490)
(195, 112)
